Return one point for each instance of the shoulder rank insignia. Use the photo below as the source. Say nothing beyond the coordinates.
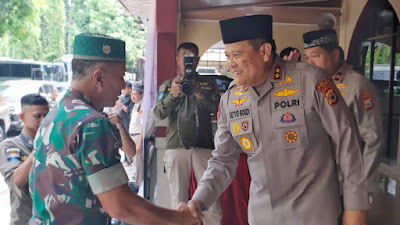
(278, 72)
(239, 102)
(338, 76)
(286, 92)
(288, 80)
(13, 154)
(325, 87)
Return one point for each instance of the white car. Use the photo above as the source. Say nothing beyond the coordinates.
(14, 90)
(207, 70)
(5, 121)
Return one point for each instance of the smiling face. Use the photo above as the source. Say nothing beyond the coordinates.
(247, 65)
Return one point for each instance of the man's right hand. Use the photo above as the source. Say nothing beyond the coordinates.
(188, 218)
(176, 87)
(195, 207)
(293, 56)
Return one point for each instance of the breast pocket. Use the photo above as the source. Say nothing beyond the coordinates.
(290, 129)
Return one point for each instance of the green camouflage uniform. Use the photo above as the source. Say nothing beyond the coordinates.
(76, 157)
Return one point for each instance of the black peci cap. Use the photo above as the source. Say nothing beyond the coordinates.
(320, 37)
(246, 28)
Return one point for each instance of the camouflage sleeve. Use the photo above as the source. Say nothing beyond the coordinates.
(9, 159)
(166, 103)
(98, 151)
(211, 101)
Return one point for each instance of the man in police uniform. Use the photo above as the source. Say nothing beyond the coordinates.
(189, 130)
(283, 114)
(321, 48)
(16, 157)
(77, 177)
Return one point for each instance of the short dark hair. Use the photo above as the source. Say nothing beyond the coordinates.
(33, 99)
(331, 47)
(257, 43)
(128, 84)
(79, 67)
(188, 45)
(287, 51)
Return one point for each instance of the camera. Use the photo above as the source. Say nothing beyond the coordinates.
(188, 87)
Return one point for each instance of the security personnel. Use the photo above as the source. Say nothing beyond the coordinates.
(283, 114)
(189, 130)
(16, 157)
(77, 177)
(321, 48)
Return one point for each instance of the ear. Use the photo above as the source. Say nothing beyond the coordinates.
(336, 55)
(265, 51)
(22, 116)
(97, 77)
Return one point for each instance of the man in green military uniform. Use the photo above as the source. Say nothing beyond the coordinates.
(77, 176)
(16, 157)
(189, 131)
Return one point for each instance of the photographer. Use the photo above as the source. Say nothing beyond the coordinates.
(188, 100)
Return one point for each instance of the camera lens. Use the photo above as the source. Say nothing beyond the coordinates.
(188, 87)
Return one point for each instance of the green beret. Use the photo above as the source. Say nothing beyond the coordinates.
(320, 37)
(99, 48)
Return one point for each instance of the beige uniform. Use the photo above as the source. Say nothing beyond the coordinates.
(285, 125)
(135, 126)
(13, 152)
(362, 99)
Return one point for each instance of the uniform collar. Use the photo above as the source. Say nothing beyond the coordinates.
(78, 95)
(28, 141)
(338, 76)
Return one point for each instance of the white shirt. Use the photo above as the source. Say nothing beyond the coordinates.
(136, 123)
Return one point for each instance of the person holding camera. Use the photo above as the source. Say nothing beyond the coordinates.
(188, 100)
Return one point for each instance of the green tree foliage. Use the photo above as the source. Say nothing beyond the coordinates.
(14, 16)
(108, 17)
(44, 29)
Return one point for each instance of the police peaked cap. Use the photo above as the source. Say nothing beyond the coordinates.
(246, 28)
(319, 38)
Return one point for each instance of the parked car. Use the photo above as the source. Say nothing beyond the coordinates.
(5, 120)
(14, 90)
(207, 70)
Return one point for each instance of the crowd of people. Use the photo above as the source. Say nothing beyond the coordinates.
(297, 143)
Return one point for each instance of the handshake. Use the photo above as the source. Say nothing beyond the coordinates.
(191, 212)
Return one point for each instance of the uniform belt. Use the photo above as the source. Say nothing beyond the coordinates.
(134, 134)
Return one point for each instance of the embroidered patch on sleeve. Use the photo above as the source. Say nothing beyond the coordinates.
(325, 86)
(366, 98)
(13, 155)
